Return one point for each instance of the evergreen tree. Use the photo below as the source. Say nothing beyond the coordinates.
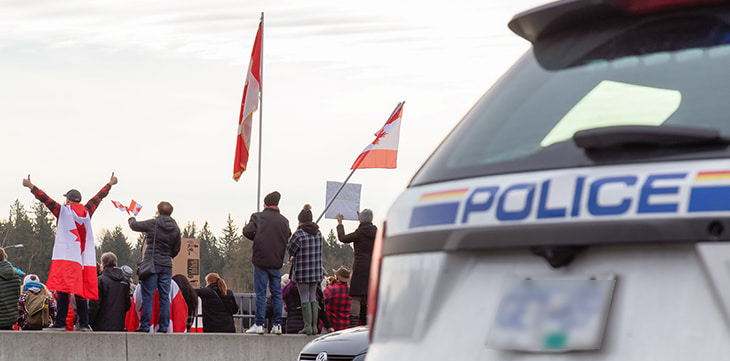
(190, 230)
(44, 228)
(211, 260)
(236, 250)
(115, 241)
(336, 253)
(20, 230)
(230, 239)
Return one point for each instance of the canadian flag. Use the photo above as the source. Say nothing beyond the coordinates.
(119, 206)
(73, 264)
(134, 207)
(383, 151)
(178, 311)
(249, 104)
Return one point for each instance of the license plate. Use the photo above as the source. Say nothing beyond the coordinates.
(551, 314)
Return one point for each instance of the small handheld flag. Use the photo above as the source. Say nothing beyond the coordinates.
(133, 208)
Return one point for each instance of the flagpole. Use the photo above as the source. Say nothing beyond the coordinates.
(335, 196)
(261, 112)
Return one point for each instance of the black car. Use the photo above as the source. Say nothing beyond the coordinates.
(346, 345)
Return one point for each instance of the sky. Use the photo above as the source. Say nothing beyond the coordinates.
(151, 90)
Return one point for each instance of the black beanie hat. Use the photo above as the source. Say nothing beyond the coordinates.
(306, 214)
(272, 199)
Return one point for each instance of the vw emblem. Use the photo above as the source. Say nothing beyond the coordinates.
(322, 356)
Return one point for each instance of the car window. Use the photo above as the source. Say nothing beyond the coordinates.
(532, 109)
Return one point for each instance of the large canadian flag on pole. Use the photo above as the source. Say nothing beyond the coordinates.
(73, 264)
(249, 104)
(383, 151)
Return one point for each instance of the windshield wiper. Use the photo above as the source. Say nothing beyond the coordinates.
(648, 136)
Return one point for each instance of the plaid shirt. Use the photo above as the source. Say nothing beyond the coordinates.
(307, 252)
(55, 207)
(337, 302)
(22, 314)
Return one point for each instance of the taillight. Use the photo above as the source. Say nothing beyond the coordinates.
(649, 6)
(375, 279)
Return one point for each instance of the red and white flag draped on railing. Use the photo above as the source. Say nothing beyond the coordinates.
(73, 264)
(249, 104)
(383, 151)
(133, 208)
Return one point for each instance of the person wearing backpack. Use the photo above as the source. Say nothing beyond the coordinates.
(36, 306)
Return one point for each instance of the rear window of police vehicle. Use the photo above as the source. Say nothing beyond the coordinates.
(662, 72)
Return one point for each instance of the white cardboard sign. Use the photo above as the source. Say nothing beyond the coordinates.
(347, 202)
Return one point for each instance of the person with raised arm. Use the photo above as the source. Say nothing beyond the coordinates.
(73, 264)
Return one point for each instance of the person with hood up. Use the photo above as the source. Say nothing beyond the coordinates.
(163, 242)
(219, 305)
(9, 293)
(107, 313)
(305, 253)
(362, 239)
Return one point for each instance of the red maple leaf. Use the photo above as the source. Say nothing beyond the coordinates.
(80, 233)
(381, 134)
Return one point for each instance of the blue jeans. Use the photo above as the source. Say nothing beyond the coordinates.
(159, 281)
(262, 276)
(82, 310)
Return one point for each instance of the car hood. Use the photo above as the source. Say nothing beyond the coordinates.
(352, 341)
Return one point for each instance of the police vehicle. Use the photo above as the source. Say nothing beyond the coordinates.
(580, 209)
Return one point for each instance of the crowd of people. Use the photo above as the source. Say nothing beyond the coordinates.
(307, 289)
(83, 294)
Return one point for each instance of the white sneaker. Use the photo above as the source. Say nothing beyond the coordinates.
(276, 330)
(258, 329)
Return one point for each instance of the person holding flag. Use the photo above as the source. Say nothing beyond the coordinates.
(73, 264)
(163, 240)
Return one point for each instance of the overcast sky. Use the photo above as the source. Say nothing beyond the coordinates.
(151, 90)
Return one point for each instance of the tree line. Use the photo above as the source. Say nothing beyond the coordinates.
(228, 254)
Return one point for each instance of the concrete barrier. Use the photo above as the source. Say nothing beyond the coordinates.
(104, 346)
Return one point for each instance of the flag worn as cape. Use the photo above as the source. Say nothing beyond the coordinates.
(383, 151)
(178, 311)
(249, 104)
(73, 264)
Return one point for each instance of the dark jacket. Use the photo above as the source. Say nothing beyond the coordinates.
(362, 240)
(9, 294)
(165, 234)
(107, 313)
(269, 231)
(218, 309)
(290, 296)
